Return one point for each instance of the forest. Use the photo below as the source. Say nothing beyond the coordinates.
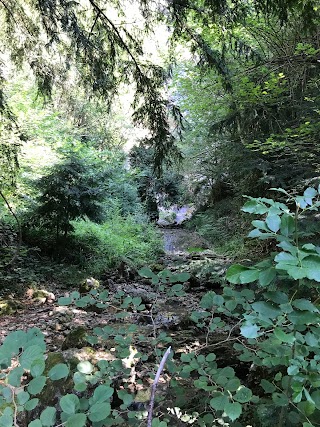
(159, 213)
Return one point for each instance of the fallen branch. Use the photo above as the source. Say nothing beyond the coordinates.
(154, 385)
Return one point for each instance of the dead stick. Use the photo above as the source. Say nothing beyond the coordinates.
(154, 385)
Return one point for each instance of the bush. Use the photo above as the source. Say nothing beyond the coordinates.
(105, 245)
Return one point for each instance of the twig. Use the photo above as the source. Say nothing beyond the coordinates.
(154, 385)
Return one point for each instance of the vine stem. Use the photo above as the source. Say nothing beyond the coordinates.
(154, 385)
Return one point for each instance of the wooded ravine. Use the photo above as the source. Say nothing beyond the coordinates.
(159, 224)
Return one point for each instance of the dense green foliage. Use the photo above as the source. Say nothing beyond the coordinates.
(274, 328)
(236, 98)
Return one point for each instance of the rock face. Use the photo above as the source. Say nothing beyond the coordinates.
(174, 215)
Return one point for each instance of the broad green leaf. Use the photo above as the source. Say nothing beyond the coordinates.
(250, 331)
(59, 371)
(293, 370)
(260, 224)
(255, 233)
(233, 410)
(126, 397)
(267, 386)
(218, 403)
(280, 399)
(37, 368)
(85, 367)
(273, 222)
(283, 337)
(35, 423)
(146, 272)
(36, 385)
(249, 276)
(76, 420)
(69, 403)
(102, 393)
(267, 276)
(233, 384)
(23, 397)
(310, 193)
(211, 299)
(99, 411)
(75, 295)
(243, 395)
(30, 355)
(14, 377)
(64, 300)
(316, 398)
(253, 206)
(266, 309)
(287, 225)
(285, 258)
(182, 277)
(303, 317)
(304, 304)
(31, 404)
(48, 416)
(233, 273)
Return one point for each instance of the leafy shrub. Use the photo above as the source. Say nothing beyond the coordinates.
(105, 245)
(273, 329)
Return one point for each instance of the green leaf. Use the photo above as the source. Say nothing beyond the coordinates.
(218, 403)
(69, 403)
(59, 371)
(283, 337)
(243, 395)
(85, 367)
(285, 258)
(35, 423)
(102, 393)
(273, 222)
(48, 416)
(287, 225)
(266, 309)
(14, 377)
(75, 295)
(267, 386)
(260, 225)
(249, 276)
(182, 277)
(64, 300)
(255, 233)
(310, 193)
(233, 410)
(267, 276)
(99, 411)
(280, 399)
(36, 385)
(37, 368)
(31, 404)
(304, 304)
(250, 331)
(253, 206)
(146, 272)
(126, 397)
(316, 398)
(238, 274)
(30, 355)
(23, 397)
(76, 420)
